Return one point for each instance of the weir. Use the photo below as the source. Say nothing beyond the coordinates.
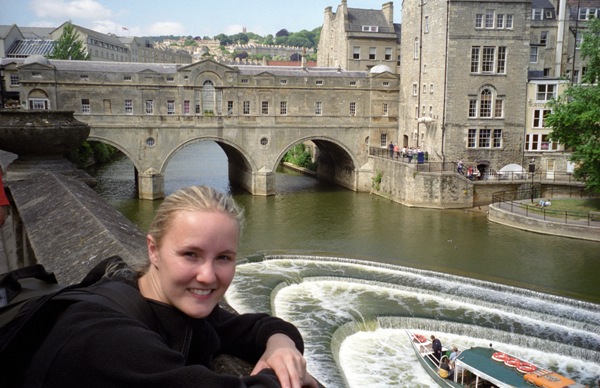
(333, 299)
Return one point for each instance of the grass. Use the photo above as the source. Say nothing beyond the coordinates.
(577, 208)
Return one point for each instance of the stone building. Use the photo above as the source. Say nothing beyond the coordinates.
(358, 39)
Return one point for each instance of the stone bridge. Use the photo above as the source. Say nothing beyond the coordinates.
(254, 113)
(254, 146)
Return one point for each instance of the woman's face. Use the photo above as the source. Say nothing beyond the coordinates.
(195, 263)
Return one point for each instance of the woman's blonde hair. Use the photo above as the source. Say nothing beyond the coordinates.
(193, 198)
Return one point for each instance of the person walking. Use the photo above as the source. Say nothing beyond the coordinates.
(391, 148)
(459, 166)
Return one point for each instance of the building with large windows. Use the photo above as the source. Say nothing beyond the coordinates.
(358, 39)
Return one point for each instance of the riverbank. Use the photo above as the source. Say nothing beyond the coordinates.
(515, 216)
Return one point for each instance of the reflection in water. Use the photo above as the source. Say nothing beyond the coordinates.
(325, 296)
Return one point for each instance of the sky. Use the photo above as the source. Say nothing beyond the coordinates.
(178, 17)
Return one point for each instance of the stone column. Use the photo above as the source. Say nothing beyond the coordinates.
(151, 184)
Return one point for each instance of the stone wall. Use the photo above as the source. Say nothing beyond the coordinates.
(402, 183)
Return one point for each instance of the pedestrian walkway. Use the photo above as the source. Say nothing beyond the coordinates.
(516, 214)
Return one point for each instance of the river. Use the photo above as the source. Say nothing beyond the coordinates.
(334, 262)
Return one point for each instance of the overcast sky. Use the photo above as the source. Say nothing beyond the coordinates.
(178, 17)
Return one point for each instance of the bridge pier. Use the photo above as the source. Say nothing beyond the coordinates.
(151, 185)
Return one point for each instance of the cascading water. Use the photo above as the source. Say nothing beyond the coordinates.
(354, 313)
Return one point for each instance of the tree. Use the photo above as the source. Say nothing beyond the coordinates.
(575, 117)
(69, 46)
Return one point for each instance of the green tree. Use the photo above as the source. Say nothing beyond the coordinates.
(575, 117)
(69, 45)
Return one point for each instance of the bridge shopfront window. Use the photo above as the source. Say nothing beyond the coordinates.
(208, 97)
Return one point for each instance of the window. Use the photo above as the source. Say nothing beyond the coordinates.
(533, 54)
(472, 137)
(424, 88)
(539, 117)
(430, 88)
(536, 142)
(501, 61)
(372, 52)
(388, 54)
(319, 82)
(265, 107)
(588, 13)
(485, 103)
(578, 39)
(416, 49)
(426, 24)
(487, 60)
(170, 79)
(484, 138)
(352, 83)
(245, 80)
(545, 92)
(246, 107)
(509, 21)
(36, 74)
(85, 105)
(472, 108)
(478, 20)
(14, 79)
(186, 107)
(536, 14)
(352, 108)
(500, 21)
(208, 97)
(318, 108)
(126, 78)
(149, 107)
(384, 109)
(499, 108)
(170, 107)
(283, 107)
(356, 52)
(385, 83)
(489, 18)
(497, 138)
(383, 140)
(415, 90)
(128, 107)
(543, 38)
(283, 81)
(370, 28)
(430, 111)
(475, 59)
(84, 77)
(229, 107)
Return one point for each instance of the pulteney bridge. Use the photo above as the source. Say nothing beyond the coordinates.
(254, 113)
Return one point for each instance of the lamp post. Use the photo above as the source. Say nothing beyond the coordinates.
(532, 172)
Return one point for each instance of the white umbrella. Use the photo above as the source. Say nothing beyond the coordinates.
(512, 170)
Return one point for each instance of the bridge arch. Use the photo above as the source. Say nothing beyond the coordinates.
(335, 161)
(236, 155)
(118, 146)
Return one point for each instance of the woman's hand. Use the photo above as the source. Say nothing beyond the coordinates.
(287, 362)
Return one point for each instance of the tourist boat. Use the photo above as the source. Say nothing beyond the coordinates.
(487, 367)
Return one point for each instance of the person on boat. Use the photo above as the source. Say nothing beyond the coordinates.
(445, 371)
(453, 355)
(436, 346)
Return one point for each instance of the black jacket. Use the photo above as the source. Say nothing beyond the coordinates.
(92, 345)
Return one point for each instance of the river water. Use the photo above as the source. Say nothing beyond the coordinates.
(353, 270)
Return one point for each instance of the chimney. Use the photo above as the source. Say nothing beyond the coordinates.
(388, 11)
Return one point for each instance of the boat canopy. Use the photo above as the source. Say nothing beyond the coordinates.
(479, 361)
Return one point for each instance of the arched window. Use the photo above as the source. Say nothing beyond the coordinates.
(485, 103)
(208, 97)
